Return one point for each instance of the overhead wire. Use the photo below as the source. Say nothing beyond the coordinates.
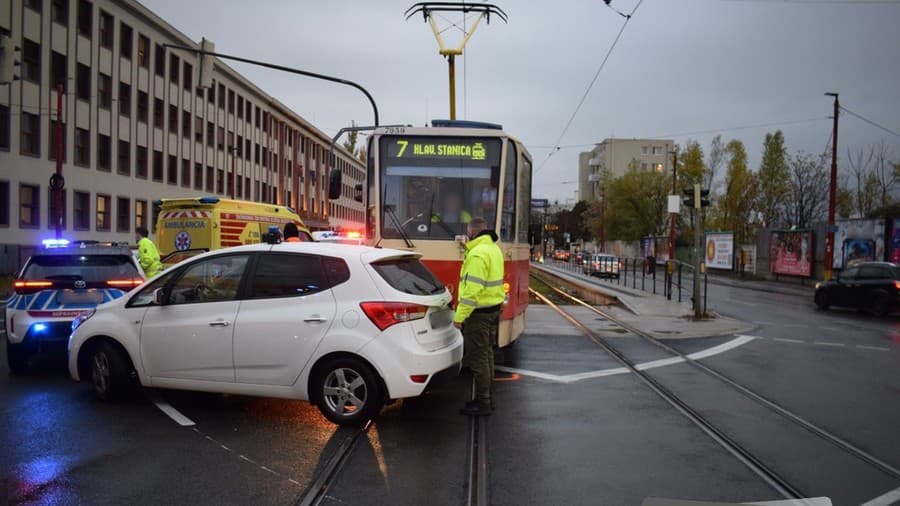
(874, 124)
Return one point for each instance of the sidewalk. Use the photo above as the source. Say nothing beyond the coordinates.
(652, 314)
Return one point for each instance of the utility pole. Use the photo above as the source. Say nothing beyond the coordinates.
(58, 186)
(698, 258)
(673, 215)
(832, 192)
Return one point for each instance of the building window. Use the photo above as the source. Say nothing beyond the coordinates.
(104, 91)
(186, 124)
(210, 133)
(124, 153)
(172, 175)
(51, 149)
(221, 96)
(81, 210)
(4, 127)
(231, 101)
(198, 129)
(58, 71)
(157, 165)
(85, 18)
(188, 77)
(126, 41)
(158, 112)
(103, 205)
(82, 147)
(160, 60)
(658, 167)
(239, 146)
(4, 203)
(83, 82)
(59, 11)
(265, 157)
(220, 181)
(174, 65)
(247, 149)
(29, 206)
(209, 179)
(185, 173)
(34, 5)
(657, 150)
(106, 30)
(249, 112)
(123, 214)
(31, 134)
(140, 213)
(141, 162)
(247, 188)
(143, 106)
(211, 93)
(125, 99)
(240, 107)
(256, 154)
(198, 176)
(143, 51)
(221, 138)
(52, 216)
(31, 61)
(173, 119)
(265, 122)
(103, 152)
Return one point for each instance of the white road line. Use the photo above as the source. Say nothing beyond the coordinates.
(786, 340)
(173, 413)
(884, 500)
(825, 343)
(877, 348)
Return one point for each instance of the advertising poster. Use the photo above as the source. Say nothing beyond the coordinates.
(791, 252)
(858, 241)
(720, 250)
(648, 247)
(895, 241)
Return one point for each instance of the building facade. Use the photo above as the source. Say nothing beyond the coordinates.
(617, 155)
(137, 128)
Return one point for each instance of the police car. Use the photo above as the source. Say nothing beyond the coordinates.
(59, 282)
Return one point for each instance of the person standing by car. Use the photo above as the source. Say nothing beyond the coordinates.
(291, 232)
(478, 311)
(147, 253)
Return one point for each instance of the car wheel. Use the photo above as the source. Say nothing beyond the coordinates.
(17, 358)
(821, 300)
(348, 391)
(110, 372)
(880, 305)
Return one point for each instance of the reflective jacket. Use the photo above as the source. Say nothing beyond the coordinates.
(149, 257)
(481, 277)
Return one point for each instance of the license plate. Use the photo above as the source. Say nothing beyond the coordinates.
(440, 319)
(81, 297)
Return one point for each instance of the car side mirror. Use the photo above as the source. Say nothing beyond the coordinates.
(159, 296)
(334, 184)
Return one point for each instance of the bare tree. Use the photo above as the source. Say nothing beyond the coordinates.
(884, 173)
(715, 160)
(860, 163)
(808, 197)
(872, 178)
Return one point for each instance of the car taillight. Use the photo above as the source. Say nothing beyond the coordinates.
(897, 285)
(125, 283)
(385, 314)
(23, 286)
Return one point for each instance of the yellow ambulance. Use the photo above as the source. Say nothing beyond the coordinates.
(186, 226)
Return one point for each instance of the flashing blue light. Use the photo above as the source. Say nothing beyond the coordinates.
(39, 327)
(209, 200)
(55, 243)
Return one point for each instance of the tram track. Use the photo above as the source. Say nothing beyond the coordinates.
(730, 444)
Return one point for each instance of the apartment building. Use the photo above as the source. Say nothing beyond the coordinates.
(617, 155)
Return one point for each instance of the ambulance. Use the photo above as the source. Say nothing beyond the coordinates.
(187, 226)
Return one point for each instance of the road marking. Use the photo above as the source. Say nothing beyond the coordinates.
(877, 348)
(245, 459)
(825, 343)
(571, 378)
(786, 340)
(173, 413)
(886, 499)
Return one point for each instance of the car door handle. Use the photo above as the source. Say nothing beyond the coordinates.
(220, 323)
(315, 319)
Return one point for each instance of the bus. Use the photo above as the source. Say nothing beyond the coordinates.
(423, 186)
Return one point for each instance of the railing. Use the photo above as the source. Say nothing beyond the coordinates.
(642, 274)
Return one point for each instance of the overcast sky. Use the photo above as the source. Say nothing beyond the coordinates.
(682, 68)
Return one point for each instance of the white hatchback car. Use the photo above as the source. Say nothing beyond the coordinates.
(345, 327)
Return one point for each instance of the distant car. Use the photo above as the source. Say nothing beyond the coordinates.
(872, 286)
(345, 327)
(60, 281)
(603, 265)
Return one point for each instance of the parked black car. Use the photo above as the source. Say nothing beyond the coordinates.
(873, 286)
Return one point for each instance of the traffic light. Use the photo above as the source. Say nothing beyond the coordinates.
(205, 63)
(8, 59)
(696, 198)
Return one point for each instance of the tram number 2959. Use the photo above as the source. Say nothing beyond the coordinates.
(394, 130)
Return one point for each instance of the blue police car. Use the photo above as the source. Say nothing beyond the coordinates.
(59, 282)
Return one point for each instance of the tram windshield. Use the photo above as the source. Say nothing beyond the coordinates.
(431, 187)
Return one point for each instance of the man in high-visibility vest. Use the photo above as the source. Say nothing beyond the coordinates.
(481, 297)
(147, 253)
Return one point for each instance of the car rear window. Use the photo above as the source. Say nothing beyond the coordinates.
(90, 268)
(408, 275)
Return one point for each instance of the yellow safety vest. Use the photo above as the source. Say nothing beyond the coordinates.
(481, 276)
(149, 257)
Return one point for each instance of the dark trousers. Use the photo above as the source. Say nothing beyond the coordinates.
(479, 334)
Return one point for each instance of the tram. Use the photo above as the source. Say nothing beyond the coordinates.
(423, 186)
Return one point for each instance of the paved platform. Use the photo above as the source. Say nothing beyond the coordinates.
(653, 314)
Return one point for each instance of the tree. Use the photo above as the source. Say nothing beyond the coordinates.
(352, 137)
(735, 206)
(808, 198)
(714, 162)
(691, 168)
(774, 181)
(872, 178)
(635, 205)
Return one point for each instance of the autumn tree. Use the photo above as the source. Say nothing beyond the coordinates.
(808, 196)
(734, 207)
(774, 181)
(714, 162)
(635, 205)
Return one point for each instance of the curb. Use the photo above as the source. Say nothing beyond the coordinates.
(587, 285)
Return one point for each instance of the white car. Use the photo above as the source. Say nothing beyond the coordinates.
(345, 327)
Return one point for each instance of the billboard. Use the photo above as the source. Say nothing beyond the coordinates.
(858, 241)
(791, 252)
(720, 250)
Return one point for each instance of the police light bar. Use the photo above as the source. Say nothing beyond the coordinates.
(55, 243)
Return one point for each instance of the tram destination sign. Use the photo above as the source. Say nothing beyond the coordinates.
(457, 149)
